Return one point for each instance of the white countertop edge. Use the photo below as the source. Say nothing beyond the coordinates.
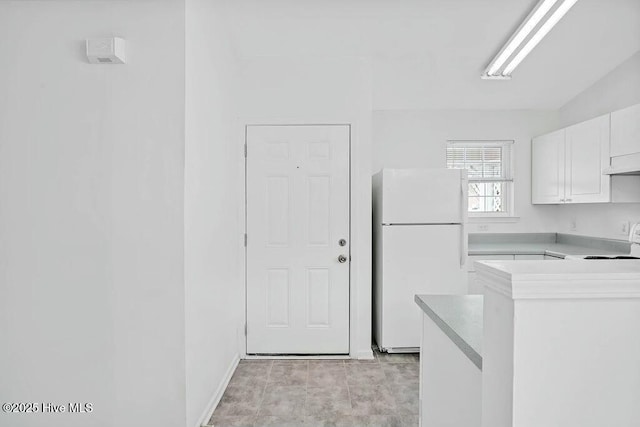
(458, 332)
(532, 250)
(559, 286)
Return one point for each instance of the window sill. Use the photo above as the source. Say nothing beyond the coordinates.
(491, 219)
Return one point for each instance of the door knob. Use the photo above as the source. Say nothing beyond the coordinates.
(342, 259)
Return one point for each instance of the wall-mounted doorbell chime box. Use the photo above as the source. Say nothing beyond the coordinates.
(108, 50)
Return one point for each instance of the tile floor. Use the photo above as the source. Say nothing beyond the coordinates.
(378, 393)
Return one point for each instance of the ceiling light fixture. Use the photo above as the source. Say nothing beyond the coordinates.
(538, 23)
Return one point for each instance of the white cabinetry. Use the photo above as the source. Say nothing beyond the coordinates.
(547, 168)
(586, 157)
(568, 164)
(625, 131)
(625, 139)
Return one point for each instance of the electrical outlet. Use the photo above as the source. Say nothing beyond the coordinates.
(573, 224)
(624, 227)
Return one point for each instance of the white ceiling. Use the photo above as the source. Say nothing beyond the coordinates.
(430, 53)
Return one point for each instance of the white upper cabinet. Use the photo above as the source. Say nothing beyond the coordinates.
(587, 156)
(625, 131)
(568, 165)
(547, 168)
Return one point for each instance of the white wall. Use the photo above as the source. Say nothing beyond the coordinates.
(417, 138)
(214, 307)
(618, 89)
(91, 207)
(323, 90)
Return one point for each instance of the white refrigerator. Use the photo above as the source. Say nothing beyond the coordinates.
(420, 247)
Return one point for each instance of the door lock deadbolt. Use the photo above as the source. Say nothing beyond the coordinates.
(342, 242)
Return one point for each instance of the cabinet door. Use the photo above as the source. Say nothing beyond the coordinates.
(548, 168)
(587, 151)
(625, 131)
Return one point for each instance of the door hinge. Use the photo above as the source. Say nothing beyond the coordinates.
(245, 149)
(245, 329)
(245, 240)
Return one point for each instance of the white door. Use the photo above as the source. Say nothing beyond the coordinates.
(548, 168)
(587, 155)
(297, 215)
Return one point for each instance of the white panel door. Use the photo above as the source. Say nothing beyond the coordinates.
(587, 154)
(297, 213)
(548, 168)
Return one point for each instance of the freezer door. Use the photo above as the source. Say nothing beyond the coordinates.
(416, 260)
(423, 196)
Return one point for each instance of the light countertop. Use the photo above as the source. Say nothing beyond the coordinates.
(554, 249)
(460, 318)
(555, 244)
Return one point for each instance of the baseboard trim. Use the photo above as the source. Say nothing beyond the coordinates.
(364, 354)
(215, 399)
(296, 357)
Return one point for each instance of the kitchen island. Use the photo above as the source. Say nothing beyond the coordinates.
(560, 347)
(561, 343)
(535, 246)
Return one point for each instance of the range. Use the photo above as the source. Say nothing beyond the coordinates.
(610, 257)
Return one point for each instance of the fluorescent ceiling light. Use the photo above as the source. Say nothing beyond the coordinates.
(537, 24)
(539, 35)
(523, 31)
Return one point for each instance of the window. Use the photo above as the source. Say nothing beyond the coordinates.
(488, 164)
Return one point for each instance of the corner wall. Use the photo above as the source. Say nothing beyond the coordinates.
(214, 309)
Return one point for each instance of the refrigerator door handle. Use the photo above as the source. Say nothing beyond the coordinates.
(464, 200)
(463, 246)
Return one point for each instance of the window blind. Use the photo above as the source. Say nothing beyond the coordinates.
(483, 163)
(488, 168)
